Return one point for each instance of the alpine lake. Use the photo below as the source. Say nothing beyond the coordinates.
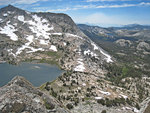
(36, 73)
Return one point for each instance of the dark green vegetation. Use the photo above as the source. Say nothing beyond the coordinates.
(48, 105)
(118, 72)
(69, 106)
(117, 102)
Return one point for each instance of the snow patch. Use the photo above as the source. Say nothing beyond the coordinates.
(57, 34)
(9, 31)
(64, 43)
(53, 48)
(98, 98)
(126, 108)
(72, 35)
(44, 42)
(79, 88)
(5, 14)
(28, 12)
(44, 20)
(80, 67)
(88, 52)
(34, 50)
(36, 99)
(15, 24)
(105, 93)
(10, 52)
(30, 39)
(95, 46)
(108, 57)
(1, 20)
(124, 96)
(83, 84)
(8, 12)
(21, 18)
(135, 110)
(39, 28)
(27, 46)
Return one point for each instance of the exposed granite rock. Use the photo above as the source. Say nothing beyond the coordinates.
(143, 45)
(123, 42)
(19, 96)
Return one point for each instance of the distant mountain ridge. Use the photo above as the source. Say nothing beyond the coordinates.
(130, 32)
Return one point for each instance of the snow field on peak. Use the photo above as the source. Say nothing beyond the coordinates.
(5, 14)
(21, 18)
(39, 27)
(9, 31)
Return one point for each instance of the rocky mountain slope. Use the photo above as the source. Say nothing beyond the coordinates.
(19, 96)
(123, 42)
(130, 45)
(38, 36)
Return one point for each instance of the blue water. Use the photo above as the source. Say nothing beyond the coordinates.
(37, 74)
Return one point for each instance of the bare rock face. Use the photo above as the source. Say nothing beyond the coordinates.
(123, 42)
(143, 45)
(19, 96)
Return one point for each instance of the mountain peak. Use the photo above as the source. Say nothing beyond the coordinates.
(10, 8)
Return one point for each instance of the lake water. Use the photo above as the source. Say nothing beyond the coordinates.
(37, 74)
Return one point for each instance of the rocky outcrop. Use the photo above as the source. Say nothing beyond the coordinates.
(143, 45)
(123, 42)
(19, 96)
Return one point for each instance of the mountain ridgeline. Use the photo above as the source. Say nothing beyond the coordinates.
(129, 32)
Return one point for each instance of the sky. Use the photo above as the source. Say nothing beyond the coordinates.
(105, 13)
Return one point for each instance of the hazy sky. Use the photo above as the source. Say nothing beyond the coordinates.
(98, 12)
